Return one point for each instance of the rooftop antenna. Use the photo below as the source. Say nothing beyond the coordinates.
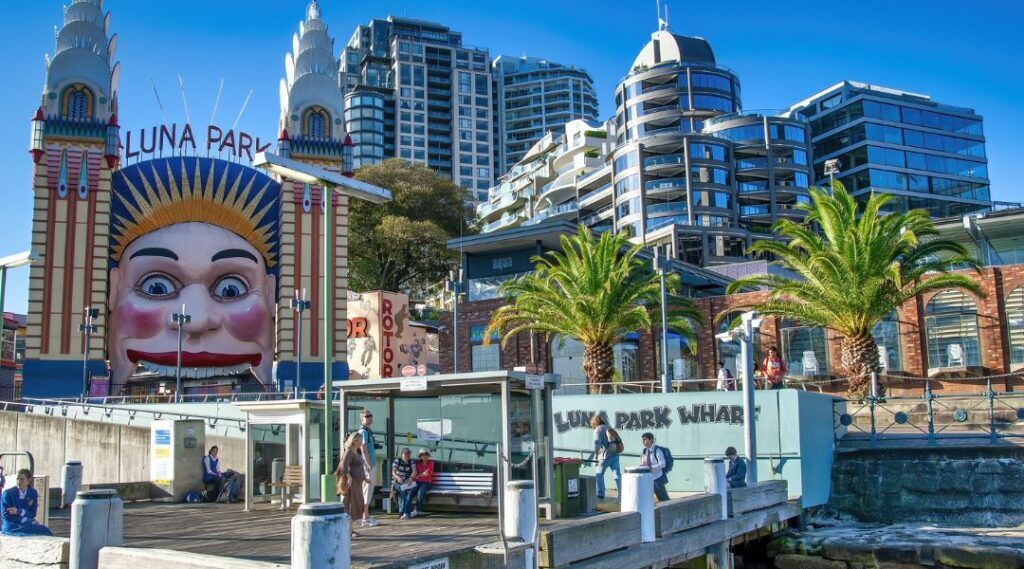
(242, 110)
(216, 103)
(184, 99)
(666, 15)
(158, 102)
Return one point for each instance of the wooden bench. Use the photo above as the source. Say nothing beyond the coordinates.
(477, 488)
(290, 484)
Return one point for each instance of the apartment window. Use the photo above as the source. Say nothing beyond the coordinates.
(887, 336)
(483, 172)
(465, 123)
(951, 327)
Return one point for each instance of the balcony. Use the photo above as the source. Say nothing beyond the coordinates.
(669, 208)
(754, 210)
(487, 210)
(596, 196)
(506, 221)
(566, 209)
(653, 88)
(665, 184)
(669, 160)
(753, 187)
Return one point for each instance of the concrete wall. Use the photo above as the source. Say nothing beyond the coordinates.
(34, 552)
(109, 453)
(969, 486)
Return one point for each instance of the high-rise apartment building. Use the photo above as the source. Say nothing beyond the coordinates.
(536, 96)
(415, 92)
(925, 154)
(679, 166)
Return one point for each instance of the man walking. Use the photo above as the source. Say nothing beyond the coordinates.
(653, 457)
(606, 452)
(369, 453)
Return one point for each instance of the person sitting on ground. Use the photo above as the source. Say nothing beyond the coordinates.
(402, 482)
(351, 473)
(736, 475)
(20, 504)
(213, 478)
(424, 477)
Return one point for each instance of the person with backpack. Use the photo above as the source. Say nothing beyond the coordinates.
(725, 381)
(659, 460)
(607, 448)
(368, 450)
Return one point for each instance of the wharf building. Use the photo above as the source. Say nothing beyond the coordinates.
(926, 155)
(680, 165)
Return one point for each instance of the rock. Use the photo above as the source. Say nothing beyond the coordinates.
(791, 561)
(979, 557)
(844, 550)
(35, 550)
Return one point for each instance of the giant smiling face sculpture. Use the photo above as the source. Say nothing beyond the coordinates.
(196, 237)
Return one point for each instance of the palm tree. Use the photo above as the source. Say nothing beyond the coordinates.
(858, 269)
(595, 290)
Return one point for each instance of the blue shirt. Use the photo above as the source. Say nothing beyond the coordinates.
(367, 434)
(26, 507)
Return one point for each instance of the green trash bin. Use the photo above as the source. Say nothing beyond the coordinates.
(567, 487)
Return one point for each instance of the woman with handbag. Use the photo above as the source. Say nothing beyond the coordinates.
(351, 474)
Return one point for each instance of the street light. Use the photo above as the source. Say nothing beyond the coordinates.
(343, 184)
(180, 319)
(300, 304)
(456, 287)
(832, 166)
(661, 265)
(87, 328)
(744, 333)
(11, 262)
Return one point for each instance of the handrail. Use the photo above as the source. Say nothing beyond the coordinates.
(131, 411)
(31, 460)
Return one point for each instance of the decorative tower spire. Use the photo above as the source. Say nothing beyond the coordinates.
(82, 77)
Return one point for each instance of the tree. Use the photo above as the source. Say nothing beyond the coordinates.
(861, 267)
(401, 245)
(595, 290)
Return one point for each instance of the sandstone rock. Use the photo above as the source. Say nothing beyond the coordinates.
(848, 551)
(791, 561)
(979, 557)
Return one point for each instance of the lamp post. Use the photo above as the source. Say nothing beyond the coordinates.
(179, 318)
(344, 184)
(456, 287)
(300, 304)
(832, 166)
(661, 264)
(87, 328)
(749, 323)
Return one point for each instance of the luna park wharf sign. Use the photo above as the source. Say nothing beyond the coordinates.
(181, 139)
(656, 417)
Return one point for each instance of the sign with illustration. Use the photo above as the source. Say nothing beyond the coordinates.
(383, 339)
(199, 237)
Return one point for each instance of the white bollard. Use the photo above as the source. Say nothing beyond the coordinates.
(714, 482)
(71, 482)
(520, 517)
(638, 496)
(97, 520)
(321, 538)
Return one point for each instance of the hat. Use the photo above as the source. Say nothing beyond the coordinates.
(423, 451)
(647, 436)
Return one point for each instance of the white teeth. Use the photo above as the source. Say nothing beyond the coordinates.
(197, 373)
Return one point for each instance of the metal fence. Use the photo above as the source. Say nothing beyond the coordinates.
(984, 417)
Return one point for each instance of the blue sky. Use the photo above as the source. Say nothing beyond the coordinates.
(966, 54)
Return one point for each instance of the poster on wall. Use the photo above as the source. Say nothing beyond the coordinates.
(382, 337)
(196, 237)
(433, 429)
(161, 465)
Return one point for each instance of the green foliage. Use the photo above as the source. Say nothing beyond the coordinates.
(595, 290)
(859, 268)
(595, 133)
(400, 245)
(592, 153)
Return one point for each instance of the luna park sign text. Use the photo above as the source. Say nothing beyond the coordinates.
(658, 417)
(181, 139)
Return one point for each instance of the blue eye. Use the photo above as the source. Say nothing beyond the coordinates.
(157, 286)
(229, 288)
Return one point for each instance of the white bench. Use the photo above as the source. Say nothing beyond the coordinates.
(463, 485)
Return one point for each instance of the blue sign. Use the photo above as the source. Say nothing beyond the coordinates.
(162, 437)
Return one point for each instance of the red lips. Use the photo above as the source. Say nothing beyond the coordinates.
(195, 359)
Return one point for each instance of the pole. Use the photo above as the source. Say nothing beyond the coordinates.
(327, 482)
(3, 288)
(86, 328)
(455, 321)
(181, 319)
(300, 304)
(666, 381)
(749, 435)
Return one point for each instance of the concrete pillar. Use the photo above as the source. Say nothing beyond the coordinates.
(520, 517)
(97, 520)
(719, 556)
(638, 496)
(321, 538)
(71, 482)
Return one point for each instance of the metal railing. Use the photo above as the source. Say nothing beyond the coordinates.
(988, 416)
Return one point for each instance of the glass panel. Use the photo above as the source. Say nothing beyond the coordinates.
(1015, 324)
(887, 336)
(952, 331)
(805, 350)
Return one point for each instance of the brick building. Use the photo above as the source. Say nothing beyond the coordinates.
(951, 337)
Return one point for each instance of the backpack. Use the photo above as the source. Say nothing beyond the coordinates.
(669, 461)
(615, 441)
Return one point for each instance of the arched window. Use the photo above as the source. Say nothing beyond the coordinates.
(804, 349)
(77, 104)
(1015, 324)
(887, 336)
(951, 326)
(318, 125)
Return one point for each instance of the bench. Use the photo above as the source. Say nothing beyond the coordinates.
(462, 489)
(290, 484)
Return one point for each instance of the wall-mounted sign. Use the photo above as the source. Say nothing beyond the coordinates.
(433, 429)
(413, 384)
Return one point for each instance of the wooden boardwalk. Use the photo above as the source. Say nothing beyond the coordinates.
(226, 530)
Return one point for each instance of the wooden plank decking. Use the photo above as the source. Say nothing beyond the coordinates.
(265, 534)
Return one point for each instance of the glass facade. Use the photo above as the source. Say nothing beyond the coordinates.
(1015, 325)
(951, 328)
(804, 349)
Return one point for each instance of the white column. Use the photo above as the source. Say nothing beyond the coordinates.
(520, 517)
(97, 520)
(638, 496)
(71, 482)
(714, 483)
(321, 537)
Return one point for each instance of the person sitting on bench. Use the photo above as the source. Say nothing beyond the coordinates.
(20, 504)
(423, 474)
(212, 476)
